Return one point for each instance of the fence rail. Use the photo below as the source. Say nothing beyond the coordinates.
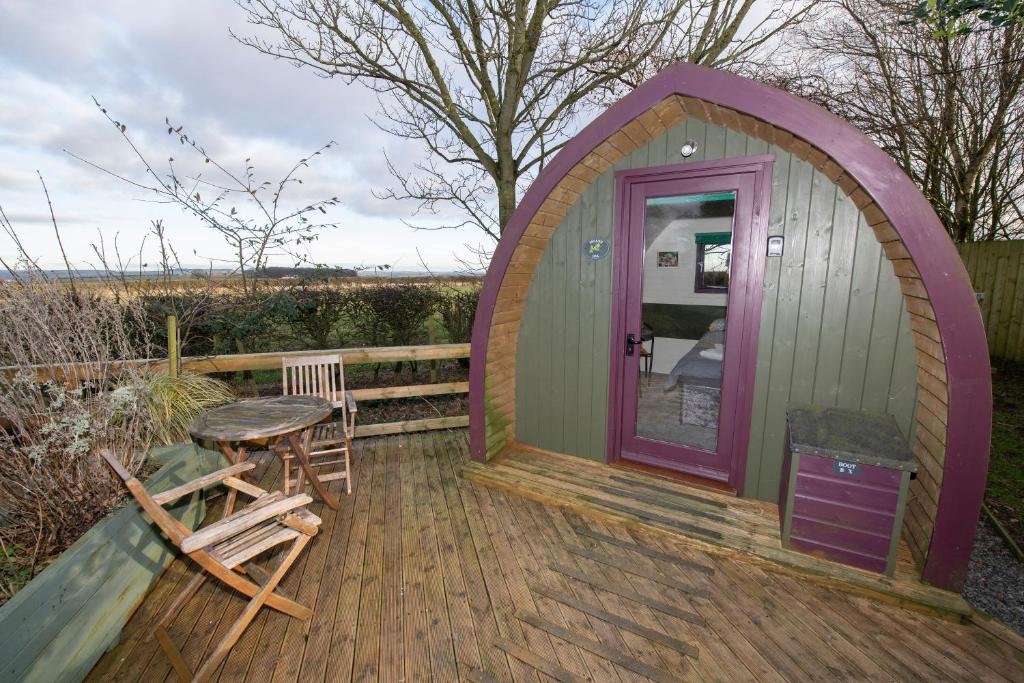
(997, 274)
(80, 372)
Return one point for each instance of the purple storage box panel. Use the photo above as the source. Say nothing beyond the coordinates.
(844, 486)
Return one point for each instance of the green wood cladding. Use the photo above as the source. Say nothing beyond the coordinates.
(834, 328)
(63, 620)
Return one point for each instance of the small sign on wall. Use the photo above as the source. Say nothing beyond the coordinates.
(595, 249)
(668, 259)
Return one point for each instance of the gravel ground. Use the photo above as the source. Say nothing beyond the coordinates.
(995, 578)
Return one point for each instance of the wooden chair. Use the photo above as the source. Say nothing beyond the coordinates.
(322, 376)
(224, 550)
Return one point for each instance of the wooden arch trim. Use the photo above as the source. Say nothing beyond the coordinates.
(954, 404)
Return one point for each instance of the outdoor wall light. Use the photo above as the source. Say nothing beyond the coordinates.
(688, 148)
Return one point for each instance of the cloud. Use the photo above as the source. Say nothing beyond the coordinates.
(160, 58)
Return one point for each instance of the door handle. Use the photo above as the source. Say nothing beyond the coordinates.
(631, 342)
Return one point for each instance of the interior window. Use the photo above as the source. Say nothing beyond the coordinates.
(714, 251)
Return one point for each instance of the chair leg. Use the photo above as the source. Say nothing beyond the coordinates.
(251, 610)
(248, 588)
(285, 467)
(348, 466)
(173, 654)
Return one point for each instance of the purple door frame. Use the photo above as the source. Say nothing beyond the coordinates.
(751, 178)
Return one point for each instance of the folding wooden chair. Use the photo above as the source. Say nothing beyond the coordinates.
(322, 376)
(224, 550)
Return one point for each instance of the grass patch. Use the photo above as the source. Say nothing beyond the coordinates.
(1005, 492)
(17, 568)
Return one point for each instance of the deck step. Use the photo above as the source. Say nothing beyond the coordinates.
(712, 522)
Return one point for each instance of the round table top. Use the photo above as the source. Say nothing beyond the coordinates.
(259, 418)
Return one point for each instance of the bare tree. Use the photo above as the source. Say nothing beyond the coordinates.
(252, 217)
(493, 88)
(948, 106)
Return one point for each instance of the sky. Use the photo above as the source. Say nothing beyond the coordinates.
(145, 61)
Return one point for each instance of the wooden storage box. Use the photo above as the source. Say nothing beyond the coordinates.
(844, 486)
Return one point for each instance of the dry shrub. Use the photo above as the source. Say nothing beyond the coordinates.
(174, 402)
(52, 485)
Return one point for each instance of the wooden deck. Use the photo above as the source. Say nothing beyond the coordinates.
(425, 575)
(698, 517)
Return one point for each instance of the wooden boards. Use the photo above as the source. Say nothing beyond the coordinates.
(424, 575)
(743, 527)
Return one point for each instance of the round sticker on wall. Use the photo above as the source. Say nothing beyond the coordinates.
(595, 249)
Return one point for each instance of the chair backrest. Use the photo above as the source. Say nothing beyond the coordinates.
(322, 376)
(174, 529)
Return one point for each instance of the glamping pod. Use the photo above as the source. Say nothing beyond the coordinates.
(709, 254)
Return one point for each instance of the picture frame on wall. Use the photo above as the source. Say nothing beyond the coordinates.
(668, 259)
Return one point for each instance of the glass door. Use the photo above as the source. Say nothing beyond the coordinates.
(686, 256)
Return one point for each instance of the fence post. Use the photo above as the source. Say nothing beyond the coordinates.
(431, 337)
(172, 346)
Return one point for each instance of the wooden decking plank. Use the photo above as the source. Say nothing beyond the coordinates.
(311, 586)
(505, 596)
(602, 472)
(644, 550)
(998, 630)
(339, 661)
(480, 676)
(650, 652)
(532, 540)
(392, 643)
(999, 655)
(582, 498)
(890, 653)
(539, 663)
(752, 512)
(656, 517)
(882, 630)
(236, 664)
(267, 652)
(629, 594)
(638, 571)
(599, 649)
(614, 498)
(460, 613)
(436, 621)
(953, 638)
(512, 566)
(318, 641)
(716, 662)
(518, 567)
(416, 647)
(810, 653)
(689, 505)
(367, 628)
(603, 614)
(670, 492)
(738, 622)
(830, 606)
(721, 640)
(124, 660)
(935, 650)
(806, 609)
(484, 619)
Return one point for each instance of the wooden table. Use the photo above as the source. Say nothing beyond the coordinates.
(281, 423)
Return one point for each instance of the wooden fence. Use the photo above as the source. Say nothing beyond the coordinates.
(997, 273)
(272, 361)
